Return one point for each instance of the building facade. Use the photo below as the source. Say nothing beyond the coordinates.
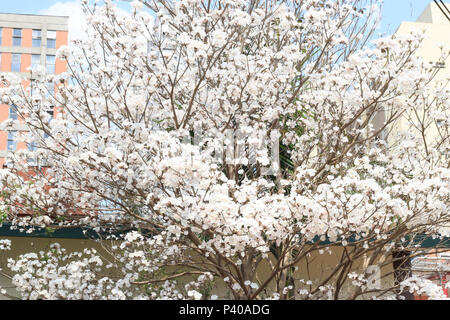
(27, 40)
(435, 21)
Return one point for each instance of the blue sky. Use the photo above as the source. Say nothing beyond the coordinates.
(33, 6)
(394, 11)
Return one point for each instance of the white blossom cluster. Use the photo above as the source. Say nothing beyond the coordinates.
(425, 287)
(145, 135)
(5, 244)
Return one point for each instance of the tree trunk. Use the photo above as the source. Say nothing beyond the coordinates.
(402, 270)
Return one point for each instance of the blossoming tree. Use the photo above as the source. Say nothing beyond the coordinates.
(236, 140)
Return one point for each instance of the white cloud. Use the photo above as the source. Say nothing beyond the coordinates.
(77, 18)
(72, 9)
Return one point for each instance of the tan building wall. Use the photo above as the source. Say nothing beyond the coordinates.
(437, 31)
(22, 245)
(318, 269)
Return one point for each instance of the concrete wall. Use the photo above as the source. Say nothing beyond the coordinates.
(432, 14)
(320, 265)
(436, 34)
(22, 245)
(437, 28)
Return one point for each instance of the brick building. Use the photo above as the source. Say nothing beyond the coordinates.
(27, 40)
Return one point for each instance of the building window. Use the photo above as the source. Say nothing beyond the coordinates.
(32, 146)
(51, 113)
(32, 84)
(17, 38)
(12, 141)
(35, 60)
(36, 35)
(51, 88)
(51, 39)
(15, 62)
(1, 36)
(51, 64)
(13, 112)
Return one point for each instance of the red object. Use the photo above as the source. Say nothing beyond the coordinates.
(444, 282)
